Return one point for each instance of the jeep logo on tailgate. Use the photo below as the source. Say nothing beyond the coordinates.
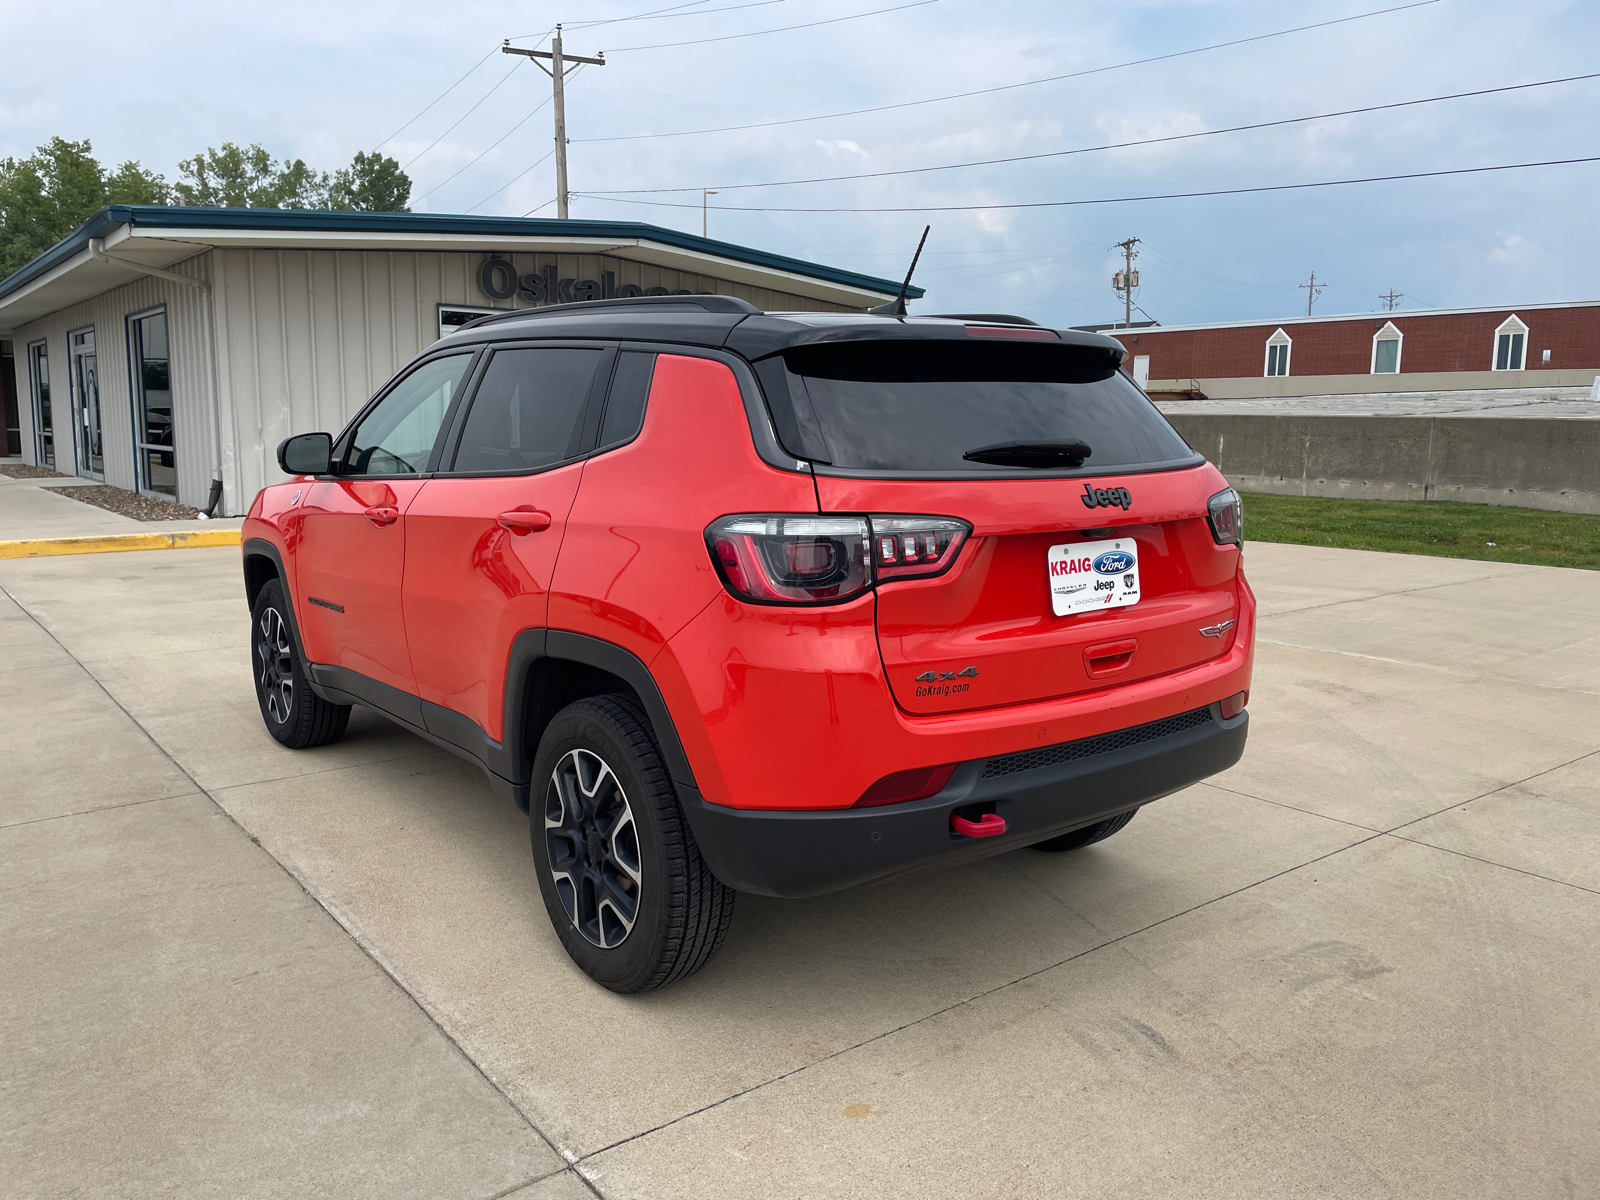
(1094, 497)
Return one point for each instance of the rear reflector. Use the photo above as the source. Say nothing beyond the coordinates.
(907, 785)
(1234, 705)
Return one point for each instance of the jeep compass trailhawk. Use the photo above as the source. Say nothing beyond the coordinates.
(773, 602)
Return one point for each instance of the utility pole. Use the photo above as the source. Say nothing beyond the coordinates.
(1312, 292)
(705, 192)
(1391, 298)
(557, 70)
(1127, 279)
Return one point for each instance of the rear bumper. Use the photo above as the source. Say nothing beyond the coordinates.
(807, 853)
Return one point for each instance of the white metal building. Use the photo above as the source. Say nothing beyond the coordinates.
(157, 346)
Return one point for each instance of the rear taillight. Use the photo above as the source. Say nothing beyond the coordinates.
(1226, 515)
(782, 559)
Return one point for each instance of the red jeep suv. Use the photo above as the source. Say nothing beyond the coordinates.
(773, 602)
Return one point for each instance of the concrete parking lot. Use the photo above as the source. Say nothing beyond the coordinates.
(1363, 963)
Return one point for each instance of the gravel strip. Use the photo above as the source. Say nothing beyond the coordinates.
(130, 504)
(24, 471)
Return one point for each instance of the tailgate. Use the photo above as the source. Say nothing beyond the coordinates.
(1050, 598)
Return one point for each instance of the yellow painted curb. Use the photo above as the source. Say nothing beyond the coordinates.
(39, 547)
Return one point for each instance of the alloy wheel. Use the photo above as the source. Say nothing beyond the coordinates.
(593, 846)
(275, 658)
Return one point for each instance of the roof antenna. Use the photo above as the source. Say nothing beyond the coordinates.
(897, 306)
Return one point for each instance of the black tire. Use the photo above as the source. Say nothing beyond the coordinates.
(622, 878)
(293, 713)
(1086, 836)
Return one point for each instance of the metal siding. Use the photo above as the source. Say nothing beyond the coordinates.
(306, 337)
(189, 341)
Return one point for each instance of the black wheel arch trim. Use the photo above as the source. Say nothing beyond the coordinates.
(256, 548)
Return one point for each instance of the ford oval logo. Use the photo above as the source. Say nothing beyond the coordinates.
(1112, 562)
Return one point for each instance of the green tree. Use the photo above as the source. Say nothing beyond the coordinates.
(371, 183)
(247, 177)
(47, 195)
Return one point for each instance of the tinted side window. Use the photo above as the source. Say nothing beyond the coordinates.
(397, 436)
(630, 387)
(527, 411)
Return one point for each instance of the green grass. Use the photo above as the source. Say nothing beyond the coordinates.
(1442, 528)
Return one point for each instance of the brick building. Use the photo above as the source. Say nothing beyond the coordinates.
(1534, 345)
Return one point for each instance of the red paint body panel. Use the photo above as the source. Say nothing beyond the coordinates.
(471, 585)
(346, 559)
(795, 711)
(635, 569)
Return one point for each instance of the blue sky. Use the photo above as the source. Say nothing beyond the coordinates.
(323, 81)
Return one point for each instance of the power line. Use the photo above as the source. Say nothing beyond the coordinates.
(667, 14)
(782, 29)
(509, 182)
(435, 100)
(1277, 187)
(1167, 258)
(1138, 62)
(492, 145)
(1175, 137)
(464, 115)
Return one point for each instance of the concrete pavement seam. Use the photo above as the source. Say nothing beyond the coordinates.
(843, 1050)
(88, 812)
(1459, 674)
(1401, 592)
(1292, 808)
(1491, 863)
(371, 957)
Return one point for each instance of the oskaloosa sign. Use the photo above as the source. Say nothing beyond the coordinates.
(499, 280)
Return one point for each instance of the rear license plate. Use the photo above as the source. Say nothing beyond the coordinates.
(1086, 575)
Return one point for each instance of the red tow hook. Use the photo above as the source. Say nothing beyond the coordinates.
(989, 825)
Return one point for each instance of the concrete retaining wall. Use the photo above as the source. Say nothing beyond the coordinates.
(1255, 387)
(1531, 463)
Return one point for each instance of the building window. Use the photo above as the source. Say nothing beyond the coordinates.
(152, 377)
(1509, 341)
(44, 425)
(453, 316)
(1278, 346)
(1386, 350)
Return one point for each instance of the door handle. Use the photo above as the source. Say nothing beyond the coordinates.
(526, 519)
(383, 515)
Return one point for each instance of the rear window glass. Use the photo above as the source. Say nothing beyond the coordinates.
(920, 405)
(527, 410)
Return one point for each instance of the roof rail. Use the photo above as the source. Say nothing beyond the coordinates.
(713, 304)
(992, 318)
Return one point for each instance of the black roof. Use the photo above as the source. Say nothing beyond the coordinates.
(723, 322)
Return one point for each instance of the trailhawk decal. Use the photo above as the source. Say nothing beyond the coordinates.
(1089, 575)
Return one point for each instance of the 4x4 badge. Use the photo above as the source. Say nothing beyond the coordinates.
(940, 676)
(1094, 497)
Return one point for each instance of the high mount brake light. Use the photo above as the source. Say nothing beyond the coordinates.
(1226, 514)
(781, 559)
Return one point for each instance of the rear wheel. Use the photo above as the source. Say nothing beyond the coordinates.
(630, 897)
(294, 714)
(1086, 836)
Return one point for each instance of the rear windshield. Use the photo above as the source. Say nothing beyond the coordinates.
(918, 406)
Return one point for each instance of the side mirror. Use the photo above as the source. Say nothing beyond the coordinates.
(306, 454)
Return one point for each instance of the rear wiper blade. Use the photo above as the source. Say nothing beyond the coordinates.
(1040, 454)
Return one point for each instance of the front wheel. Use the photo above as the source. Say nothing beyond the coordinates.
(294, 714)
(630, 897)
(1086, 836)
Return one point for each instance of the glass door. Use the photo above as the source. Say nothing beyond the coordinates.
(158, 467)
(86, 385)
(44, 432)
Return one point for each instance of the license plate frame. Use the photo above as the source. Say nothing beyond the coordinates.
(1093, 576)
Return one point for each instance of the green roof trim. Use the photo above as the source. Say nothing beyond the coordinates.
(292, 220)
